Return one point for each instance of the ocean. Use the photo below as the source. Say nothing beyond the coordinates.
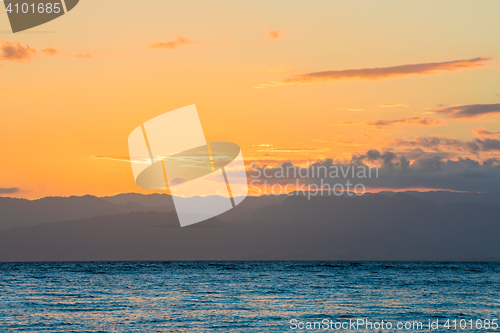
(249, 296)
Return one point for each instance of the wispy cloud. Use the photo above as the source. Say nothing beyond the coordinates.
(379, 72)
(420, 121)
(348, 123)
(294, 150)
(264, 145)
(9, 190)
(469, 111)
(436, 142)
(14, 51)
(391, 105)
(112, 158)
(84, 55)
(349, 143)
(353, 110)
(275, 34)
(484, 133)
(51, 51)
(474, 146)
(173, 44)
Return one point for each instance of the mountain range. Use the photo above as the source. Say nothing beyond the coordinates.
(384, 226)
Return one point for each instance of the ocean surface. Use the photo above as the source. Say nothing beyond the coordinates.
(248, 296)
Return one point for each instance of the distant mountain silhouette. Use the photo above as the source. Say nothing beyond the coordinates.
(149, 200)
(446, 197)
(375, 227)
(22, 212)
(439, 197)
(161, 200)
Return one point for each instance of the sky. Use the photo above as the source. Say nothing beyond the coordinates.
(288, 81)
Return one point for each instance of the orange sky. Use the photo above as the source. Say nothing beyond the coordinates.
(286, 80)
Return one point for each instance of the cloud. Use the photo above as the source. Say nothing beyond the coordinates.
(85, 55)
(349, 143)
(469, 111)
(391, 105)
(440, 142)
(488, 144)
(14, 51)
(294, 150)
(474, 146)
(379, 72)
(51, 51)
(484, 133)
(420, 121)
(275, 34)
(9, 190)
(433, 172)
(353, 110)
(112, 158)
(348, 123)
(395, 171)
(173, 44)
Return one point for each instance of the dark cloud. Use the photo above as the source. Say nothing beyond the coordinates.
(380, 72)
(469, 111)
(9, 190)
(473, 146)
(389, 159)
(416, 153)
(488, 144)
(396, 171)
